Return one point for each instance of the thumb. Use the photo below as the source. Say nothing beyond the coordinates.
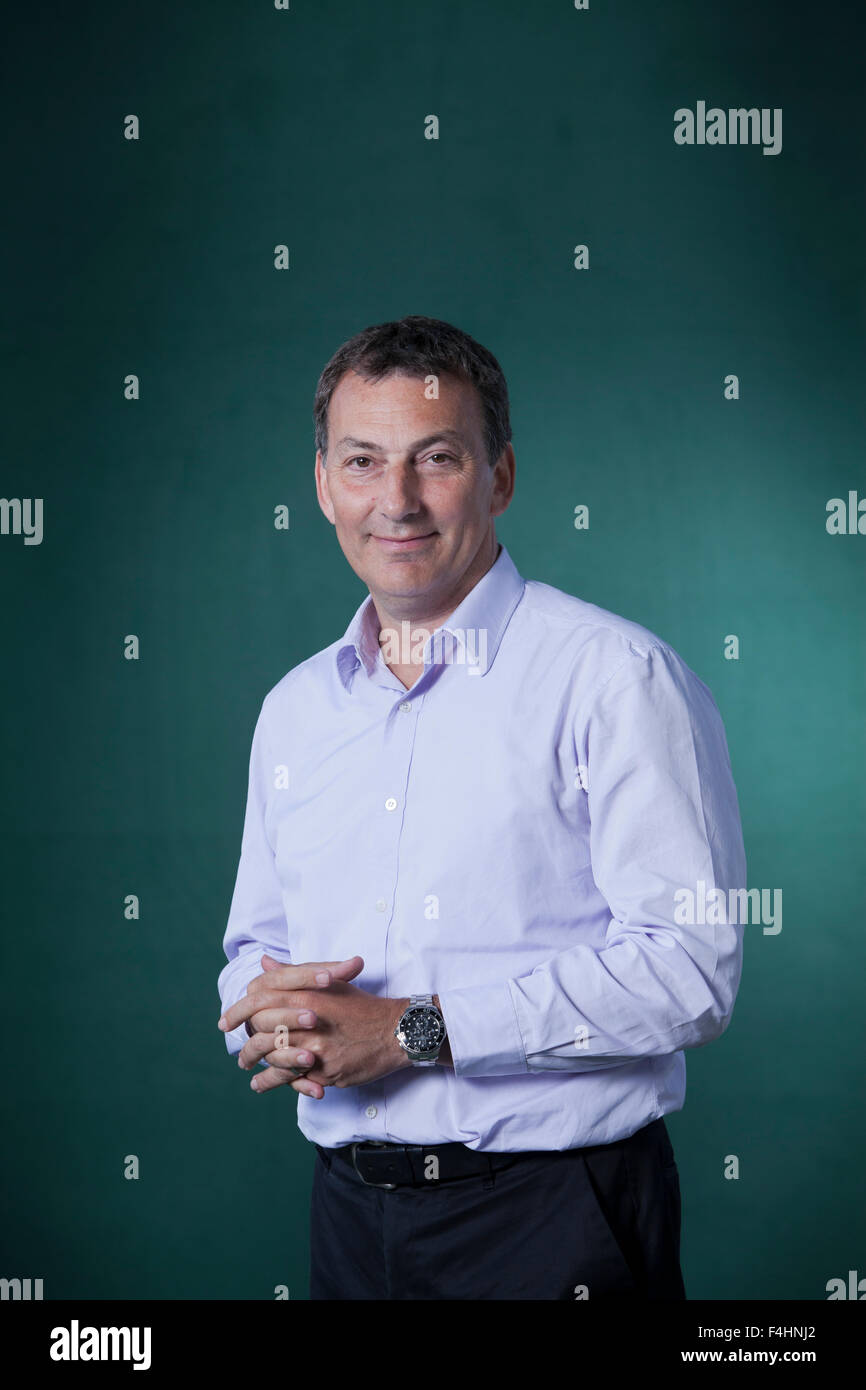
(347, 969)
(339, 970)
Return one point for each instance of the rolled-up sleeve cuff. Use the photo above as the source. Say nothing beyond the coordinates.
(236, 1039)
(233, 983)
(483, 1030)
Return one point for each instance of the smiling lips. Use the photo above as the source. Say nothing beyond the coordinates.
(408, 543)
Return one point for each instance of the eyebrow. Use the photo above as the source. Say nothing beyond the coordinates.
(448, 436)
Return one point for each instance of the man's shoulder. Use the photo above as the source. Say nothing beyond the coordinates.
(607, 633)
(304, 681)
(597, 645)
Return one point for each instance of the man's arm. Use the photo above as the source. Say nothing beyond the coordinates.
(664, 816)
(257, 920)
(444, 1059)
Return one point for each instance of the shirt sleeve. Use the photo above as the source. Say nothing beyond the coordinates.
(257, 920)
(664, 820)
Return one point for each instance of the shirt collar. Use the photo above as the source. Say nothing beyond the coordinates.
(477, 625)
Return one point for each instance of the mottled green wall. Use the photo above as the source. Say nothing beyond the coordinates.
(155, 257)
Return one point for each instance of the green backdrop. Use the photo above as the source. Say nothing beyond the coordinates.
(261, 127)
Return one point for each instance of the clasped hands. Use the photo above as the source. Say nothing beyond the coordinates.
(309, 1017)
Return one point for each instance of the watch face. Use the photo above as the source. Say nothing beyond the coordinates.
(423, 1029)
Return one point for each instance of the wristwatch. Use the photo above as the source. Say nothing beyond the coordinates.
(421, 1031)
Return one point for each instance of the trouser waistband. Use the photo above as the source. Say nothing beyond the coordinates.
(380, 1164)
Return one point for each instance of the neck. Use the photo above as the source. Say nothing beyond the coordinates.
(403, 646)
(418, 611)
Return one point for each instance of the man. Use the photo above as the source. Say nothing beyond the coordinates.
(454, 930)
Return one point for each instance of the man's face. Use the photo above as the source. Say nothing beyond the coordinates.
(409, 488)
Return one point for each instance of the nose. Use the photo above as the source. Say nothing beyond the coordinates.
(399, 495)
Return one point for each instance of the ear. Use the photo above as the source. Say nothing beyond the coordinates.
(503, 481)
(322, 490)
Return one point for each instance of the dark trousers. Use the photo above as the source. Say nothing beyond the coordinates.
(600, 1222)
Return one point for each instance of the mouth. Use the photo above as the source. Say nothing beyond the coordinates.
(404, 543)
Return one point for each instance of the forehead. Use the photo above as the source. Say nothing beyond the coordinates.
(401, 404)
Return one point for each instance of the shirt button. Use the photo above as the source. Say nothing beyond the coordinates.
(390, 804)
(381, 904)
(371, 1112)
(406, 706)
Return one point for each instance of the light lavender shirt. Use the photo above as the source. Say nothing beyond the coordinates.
(510, 834)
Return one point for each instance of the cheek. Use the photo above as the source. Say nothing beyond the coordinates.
(348, 519)
(455, 503)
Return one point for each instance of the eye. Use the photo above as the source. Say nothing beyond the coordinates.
(360, 458)
(440, 456)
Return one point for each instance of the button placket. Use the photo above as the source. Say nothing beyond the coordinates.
(398, 744)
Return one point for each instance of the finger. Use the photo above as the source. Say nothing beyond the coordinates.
(253, 1004)
(271, 1020)
(270, 1079)
(312, 974)
(305, 1087)
(281, 1076)
(276, 1046)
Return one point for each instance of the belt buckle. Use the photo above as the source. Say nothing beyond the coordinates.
(355, 1147)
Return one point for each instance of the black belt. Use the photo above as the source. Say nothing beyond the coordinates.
(416, 1165)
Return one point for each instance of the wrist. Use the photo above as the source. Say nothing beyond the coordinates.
(444, 1059)
(401, 1005)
